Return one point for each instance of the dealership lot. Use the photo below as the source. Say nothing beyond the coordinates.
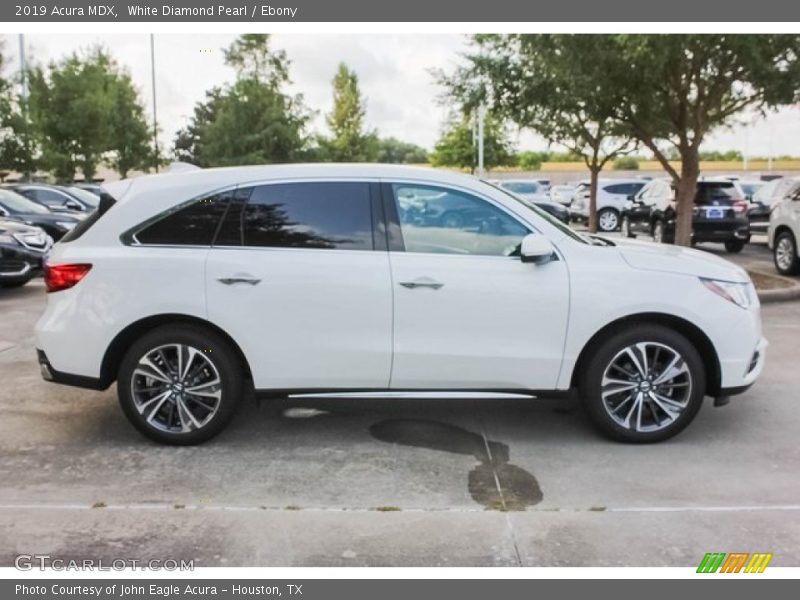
(367, 482)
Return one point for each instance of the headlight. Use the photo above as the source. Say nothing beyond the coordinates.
(741, 294)
(6, 238)
(65, 224)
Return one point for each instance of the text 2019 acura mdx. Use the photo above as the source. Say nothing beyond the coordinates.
(308, 279)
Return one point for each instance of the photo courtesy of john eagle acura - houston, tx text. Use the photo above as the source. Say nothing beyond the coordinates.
(189, 289)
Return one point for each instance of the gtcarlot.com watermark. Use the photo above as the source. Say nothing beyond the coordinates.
(29, 562)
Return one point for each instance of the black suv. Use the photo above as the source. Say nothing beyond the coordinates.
(720, 214)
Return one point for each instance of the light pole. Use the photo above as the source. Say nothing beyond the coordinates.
(23, 96)
(155, 113)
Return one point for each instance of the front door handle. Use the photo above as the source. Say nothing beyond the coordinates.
(232, 280)
(422, 283)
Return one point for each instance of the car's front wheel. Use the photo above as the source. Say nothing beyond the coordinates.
(643, 384)
(180, 384)
(625, 227)
(734, 246)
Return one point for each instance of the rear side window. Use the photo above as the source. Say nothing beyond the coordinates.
(708, 192)
(329, 215)
(192, 224)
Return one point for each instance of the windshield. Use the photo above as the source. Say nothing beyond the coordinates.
(19, 204)
(87, 197)
(543, 214)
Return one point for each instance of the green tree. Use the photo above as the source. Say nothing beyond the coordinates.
(666, 91)
(457, 148)
(85, 110)
(537, 82)
(252, 121)
(671, 91)
(130, 136)
(392, 150)
(350, 141)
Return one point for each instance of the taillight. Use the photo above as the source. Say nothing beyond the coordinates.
(63, 277)
(740, 206)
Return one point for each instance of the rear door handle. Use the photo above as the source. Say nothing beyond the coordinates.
(422, 283)
(232, 280)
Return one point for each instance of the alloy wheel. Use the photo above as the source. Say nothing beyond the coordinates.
(608, 220)
(646, 387)
(176, 388)
(784, 253)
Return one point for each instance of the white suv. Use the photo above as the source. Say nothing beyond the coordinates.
(194, 287)
(784, 230)
(612, 194)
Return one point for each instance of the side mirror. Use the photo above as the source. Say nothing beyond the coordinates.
(3, 212)
(631, 197)
(537, 249)
(73, 205)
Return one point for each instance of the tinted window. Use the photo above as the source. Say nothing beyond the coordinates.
(191, 225)
(445, 221)
(708, 192)
(333, 215)
(15, 203)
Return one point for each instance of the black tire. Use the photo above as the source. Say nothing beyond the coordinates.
(734, 246)
(215, 350)
(613, 223)
(785, 254)
(613, 346)
(625, 227)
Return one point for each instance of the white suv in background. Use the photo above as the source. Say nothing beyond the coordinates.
(784, 230)
(194, 287)
(611, 197)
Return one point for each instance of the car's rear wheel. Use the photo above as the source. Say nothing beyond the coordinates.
(785, 254)
(607, 220)
(644, 384)
(734, 246)
(180, 384)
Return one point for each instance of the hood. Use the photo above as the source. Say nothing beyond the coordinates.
(649, 256)
(8, 226)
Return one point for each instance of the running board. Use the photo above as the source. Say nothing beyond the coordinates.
(428, 395)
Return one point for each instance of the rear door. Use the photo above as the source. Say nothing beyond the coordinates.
(468, 313)
(300, 279)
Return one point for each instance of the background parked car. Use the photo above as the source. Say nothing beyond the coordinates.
(764, 199)
(784, 231)
(611, 197)
(19, 208)
(58, 198)
(527, 189)
(562, 194)
(720, 213)
(94, 188)
(22, 249)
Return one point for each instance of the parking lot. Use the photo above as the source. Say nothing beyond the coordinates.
(412, 483)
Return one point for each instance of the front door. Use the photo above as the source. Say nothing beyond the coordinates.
(468, 313)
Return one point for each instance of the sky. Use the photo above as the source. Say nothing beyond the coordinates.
(394, 73)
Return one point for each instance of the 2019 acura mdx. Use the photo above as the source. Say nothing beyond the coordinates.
(314, 279)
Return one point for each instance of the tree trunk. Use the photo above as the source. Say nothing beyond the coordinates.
(594, 170)
(685, 192)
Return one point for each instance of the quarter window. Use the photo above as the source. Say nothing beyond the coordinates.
(190, 225)
(445, 221)
(331, 215)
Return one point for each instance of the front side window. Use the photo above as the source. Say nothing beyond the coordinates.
(327, 215)
(446, 221)
(192, 224)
